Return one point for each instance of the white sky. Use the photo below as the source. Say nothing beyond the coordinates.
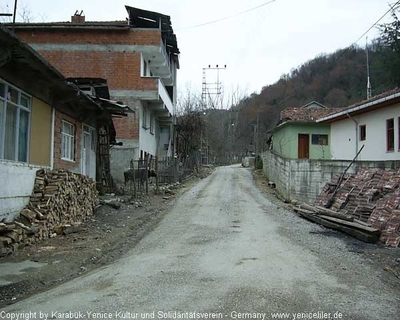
(257, 47)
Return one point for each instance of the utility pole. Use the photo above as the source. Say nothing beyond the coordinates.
(211, 88)
(369, 88)
(257, 135)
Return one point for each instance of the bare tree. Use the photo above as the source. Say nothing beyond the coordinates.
(189, 123)
(24, 12)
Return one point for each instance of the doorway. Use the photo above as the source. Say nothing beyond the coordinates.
(304, 146)
(89, 152)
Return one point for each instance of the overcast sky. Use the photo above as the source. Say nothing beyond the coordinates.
(257, 47)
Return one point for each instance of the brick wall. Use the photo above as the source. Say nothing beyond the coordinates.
(127, 127)
(69, 36)
(58, 162)
(121, 69)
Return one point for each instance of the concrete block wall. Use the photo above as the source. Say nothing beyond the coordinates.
(277, 169)
(303, 179)
(120, 158)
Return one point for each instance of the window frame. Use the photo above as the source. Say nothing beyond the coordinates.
(390, 135)
(145, 68)
(363, 132)
(319, 135)
(19, 108)
(151, 124)
(68, 137)
(398, 133)
(144, 117)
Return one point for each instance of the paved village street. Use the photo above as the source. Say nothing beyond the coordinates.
(225, 250)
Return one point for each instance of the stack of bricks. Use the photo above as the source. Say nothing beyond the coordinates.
(372, 196)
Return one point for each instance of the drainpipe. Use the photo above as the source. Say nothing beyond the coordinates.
(356, 124)
(53, 112)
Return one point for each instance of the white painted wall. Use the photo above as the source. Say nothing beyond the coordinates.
(147, 140)
(343, 136)
(17, 180)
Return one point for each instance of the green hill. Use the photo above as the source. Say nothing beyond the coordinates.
(336, 80)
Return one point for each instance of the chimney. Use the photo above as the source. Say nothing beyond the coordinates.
(78, 17)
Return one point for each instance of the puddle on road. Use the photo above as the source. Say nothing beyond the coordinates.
(10, 269)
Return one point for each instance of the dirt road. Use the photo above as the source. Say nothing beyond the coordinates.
(225, 251)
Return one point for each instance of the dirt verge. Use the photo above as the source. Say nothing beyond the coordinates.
(385, 257)
(106, 236)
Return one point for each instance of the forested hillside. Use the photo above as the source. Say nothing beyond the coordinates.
(336, 80)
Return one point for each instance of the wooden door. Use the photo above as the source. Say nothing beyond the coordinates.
(304, 145)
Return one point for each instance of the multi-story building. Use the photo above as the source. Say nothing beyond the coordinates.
(46, 122)
(139, 59)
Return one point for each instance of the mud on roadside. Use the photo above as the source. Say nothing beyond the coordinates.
(105, 237)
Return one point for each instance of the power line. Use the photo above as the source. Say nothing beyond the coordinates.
(377, 21)
(369, 29)
(229, 17)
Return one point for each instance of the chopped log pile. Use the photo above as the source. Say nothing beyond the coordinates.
(372, 197)
(59, 200)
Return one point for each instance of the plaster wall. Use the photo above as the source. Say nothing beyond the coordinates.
(16, 187)
(346, 140)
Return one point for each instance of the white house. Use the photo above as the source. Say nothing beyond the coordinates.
(374, 123)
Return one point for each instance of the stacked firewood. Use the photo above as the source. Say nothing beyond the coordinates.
(59, 198)
(371, 196)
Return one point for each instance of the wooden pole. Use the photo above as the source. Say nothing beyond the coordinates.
(156, 170)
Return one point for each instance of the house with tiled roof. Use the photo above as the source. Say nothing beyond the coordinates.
(299, 136)
(372, 123)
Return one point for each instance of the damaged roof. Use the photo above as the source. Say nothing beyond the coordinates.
(139, 18)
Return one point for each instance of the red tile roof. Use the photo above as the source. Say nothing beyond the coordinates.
(302, 114)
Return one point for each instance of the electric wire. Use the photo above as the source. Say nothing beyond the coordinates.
(227, 17)
(369, 29)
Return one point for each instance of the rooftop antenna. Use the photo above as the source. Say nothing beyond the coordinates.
(369, 88)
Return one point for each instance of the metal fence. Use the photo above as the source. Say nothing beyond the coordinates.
(149, 173)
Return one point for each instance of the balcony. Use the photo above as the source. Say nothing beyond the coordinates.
(158, 100)
(160, 63)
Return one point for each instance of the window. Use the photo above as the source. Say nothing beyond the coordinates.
(390, 134)
(363, 132)
(399, 132)
(151, 124)
(15, 113)
(144, 117)
(145, 68)
(67, 141)
(320, 139)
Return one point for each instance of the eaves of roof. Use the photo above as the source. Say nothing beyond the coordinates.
(289, 122)
(378, 102)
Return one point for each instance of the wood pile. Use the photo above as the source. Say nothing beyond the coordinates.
(371, 196)
(59, 199)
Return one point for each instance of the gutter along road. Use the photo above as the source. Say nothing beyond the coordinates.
(224, 250)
